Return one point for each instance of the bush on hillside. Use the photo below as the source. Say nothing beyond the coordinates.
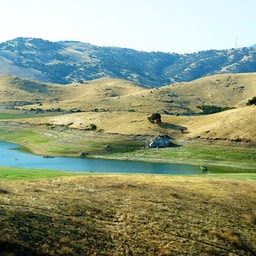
(155, 117)
(93, 127)
(251, 101)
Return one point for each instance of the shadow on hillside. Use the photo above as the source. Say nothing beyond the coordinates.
(175, 127)
(10, 248)
(173, 145)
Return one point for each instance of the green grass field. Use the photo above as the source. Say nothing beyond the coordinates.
(17, 114)
(17, 173)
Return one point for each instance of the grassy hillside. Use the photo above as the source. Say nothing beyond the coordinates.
(19, 90)
(118, 106)
(127, 215)
(120, 95)
(236, 124)
(232, 90)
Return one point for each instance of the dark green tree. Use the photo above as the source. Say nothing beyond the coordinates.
(251, 101)
(93, 127)
(155, 117)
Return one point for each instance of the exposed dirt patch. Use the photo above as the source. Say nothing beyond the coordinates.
(129, 215)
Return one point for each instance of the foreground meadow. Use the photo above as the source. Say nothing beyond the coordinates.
(128, 215)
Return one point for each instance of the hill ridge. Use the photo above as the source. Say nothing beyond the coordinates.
(108, 94)
(67, 62)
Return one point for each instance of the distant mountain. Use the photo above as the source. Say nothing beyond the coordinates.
(71, 61)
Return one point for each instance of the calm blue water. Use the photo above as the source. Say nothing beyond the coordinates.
(10, 155)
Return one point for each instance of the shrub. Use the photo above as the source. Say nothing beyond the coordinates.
(251, 101)
(93, 127)
(155, 117)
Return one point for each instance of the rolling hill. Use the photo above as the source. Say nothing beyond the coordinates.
(18, 90)
(105, 95)
(68, 62)
(119, 106)
(232, 125)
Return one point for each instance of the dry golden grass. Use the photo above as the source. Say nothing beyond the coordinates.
(128, 215)
(119, 95)
(101, 94)
(118, 106)
(14, 89)
(231, 90)
(236, 124)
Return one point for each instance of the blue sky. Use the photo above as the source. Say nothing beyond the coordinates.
(181, 26)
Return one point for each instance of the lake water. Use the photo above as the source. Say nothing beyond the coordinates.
(11, 155)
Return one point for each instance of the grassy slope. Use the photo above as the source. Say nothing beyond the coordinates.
(116, 94)
(220, 90)
(228, 125)
(237, 124)
(19, 89)
(231, 90)
(117, 99)
(128, 215)
(17, 173)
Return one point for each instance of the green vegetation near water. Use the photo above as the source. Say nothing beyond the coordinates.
(236, 176)
(229, 160)
(70, 143)
(201, 153)
(17, 114)
(17, 173)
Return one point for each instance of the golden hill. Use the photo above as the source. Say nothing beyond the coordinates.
(118, 106)
(236, 124)
(183, 98)
(120, 95)
(15, 89)
(231, 90)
